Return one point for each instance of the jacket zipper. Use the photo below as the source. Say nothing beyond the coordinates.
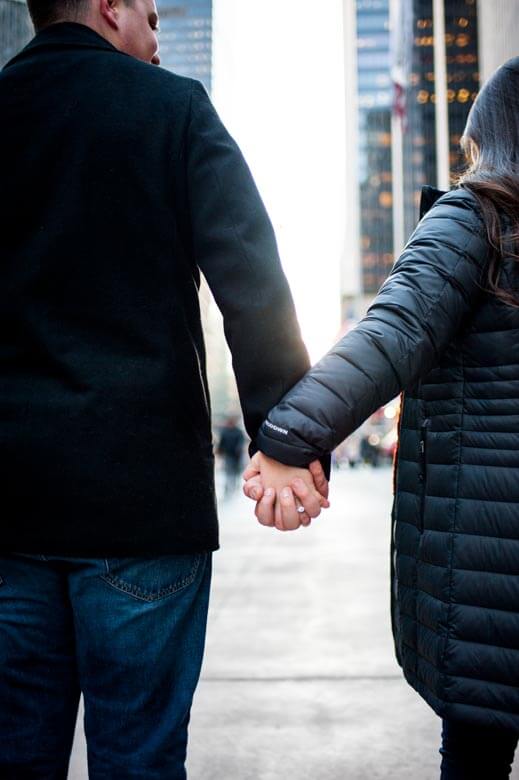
(423, 470)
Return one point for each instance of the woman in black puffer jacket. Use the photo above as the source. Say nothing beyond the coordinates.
(444, 329)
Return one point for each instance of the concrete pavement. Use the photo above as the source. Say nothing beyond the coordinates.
(300, 680)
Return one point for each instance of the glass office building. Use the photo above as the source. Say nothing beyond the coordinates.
(419, 137)
(375, 98)
(461, 34)
(15, 28)
(186, 34)
(419, 144)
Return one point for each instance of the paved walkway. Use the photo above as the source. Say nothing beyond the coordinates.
(299, 681)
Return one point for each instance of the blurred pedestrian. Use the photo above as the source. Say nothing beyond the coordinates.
(369, 449)
(230, 447)
(120, 184)
(444, 329)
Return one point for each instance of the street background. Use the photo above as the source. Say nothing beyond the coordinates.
(299, 679)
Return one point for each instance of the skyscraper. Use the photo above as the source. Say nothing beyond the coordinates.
(375, 95)
(498, 33)
(186, 38)
(420, 157)
(15, 28)
(461, 41)
(419, 136)
(396, 157)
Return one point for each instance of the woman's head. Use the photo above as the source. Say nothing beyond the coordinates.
(491, 146)
(491, 137)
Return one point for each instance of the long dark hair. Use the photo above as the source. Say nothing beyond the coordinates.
(491, 145)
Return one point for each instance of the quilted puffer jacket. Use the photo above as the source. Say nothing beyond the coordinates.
(436, 333)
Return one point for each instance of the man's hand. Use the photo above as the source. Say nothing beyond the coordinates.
(278, 489)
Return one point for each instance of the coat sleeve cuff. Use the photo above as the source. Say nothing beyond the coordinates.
(290, 454)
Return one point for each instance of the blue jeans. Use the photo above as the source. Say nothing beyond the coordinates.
(128, 633)
(476, 753)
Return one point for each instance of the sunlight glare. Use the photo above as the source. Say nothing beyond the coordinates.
(279, 87)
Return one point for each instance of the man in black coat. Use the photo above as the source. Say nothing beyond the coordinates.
(119, 184)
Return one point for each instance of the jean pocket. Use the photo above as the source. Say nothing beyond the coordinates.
(151, 579)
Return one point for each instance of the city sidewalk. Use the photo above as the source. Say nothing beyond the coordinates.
(300, 680)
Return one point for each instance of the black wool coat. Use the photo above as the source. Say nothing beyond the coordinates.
(119, 184)
(435, 332)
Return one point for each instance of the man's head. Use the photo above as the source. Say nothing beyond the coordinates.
(130, 25)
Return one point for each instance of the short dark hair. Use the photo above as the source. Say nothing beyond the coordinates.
(45, 12)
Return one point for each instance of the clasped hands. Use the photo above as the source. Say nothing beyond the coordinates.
(281, 491)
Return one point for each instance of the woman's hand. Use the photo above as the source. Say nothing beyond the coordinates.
(275, 488)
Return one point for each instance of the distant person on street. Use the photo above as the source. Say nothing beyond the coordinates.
(444, 329)
(230, 447)
(120, 184)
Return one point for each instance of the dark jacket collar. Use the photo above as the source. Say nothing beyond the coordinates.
(429, 197)
(65, 35)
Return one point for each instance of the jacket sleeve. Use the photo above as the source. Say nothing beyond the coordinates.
(435, 283)
(234, 246)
